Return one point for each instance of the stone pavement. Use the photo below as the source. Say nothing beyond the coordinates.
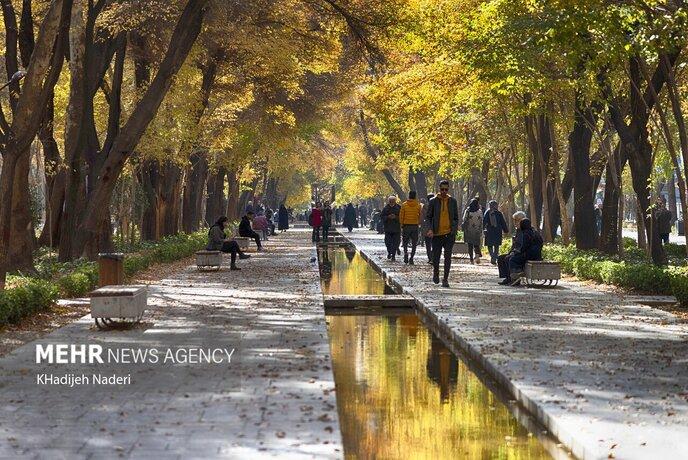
(275, 398)
(607, 376)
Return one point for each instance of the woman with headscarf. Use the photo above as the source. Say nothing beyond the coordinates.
(282, 218)
(473, 230)
(350, 217)
(529, 248)
(495, 226)
(217, 241)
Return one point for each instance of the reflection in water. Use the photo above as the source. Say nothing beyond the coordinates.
(402, 394)
(344, 272)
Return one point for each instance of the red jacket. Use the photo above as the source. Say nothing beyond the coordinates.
(316, 218)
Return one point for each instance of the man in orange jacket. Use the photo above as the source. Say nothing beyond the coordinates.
(409, 218)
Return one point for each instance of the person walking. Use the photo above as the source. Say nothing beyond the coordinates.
(495, 227)
(326, 220)
(315, 221)
(390, 218)
(349, 217)
(246, 230)
(425, 227)
(503, 260)
(443, 219)
(662, 217)
(409, 218)
(217, 241)
(282, 219)
(473, 230)
(363, 215)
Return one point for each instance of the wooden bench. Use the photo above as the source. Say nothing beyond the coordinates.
(112, 303)
(542, 273)
(460, 250)
(209, 260)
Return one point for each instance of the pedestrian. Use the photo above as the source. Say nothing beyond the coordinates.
(337, 214)
(261, 224)
(663, 217)
(529, 248)
(443, 219)
(246, 230)
(315, 221)
(495, 227)
(249, 207)
(217, 241)
(349, 217)
(598, 218)
(503, 260)
(363, 215)
(472, 227)
(282, 219)
(425, 227)
(390, 219)
(326, 220)
(409, 218)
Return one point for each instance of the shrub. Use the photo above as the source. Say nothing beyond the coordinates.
(30, 296)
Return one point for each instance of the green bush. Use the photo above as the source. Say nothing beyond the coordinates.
(30, 296)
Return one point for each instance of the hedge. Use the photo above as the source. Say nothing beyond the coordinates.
(29, 295)
(634, 273)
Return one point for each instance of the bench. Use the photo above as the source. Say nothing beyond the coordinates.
(209, 260)
(112, 303)
(542, 273)
(242, 241)
(460, 250)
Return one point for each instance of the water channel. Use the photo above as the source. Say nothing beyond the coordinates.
(401, 393)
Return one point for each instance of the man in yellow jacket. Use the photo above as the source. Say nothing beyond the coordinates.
(409, 218)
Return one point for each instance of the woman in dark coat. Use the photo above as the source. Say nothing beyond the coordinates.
(530, 248)
(282, 219)
(495, 226)
(350, 217)
(217, 241)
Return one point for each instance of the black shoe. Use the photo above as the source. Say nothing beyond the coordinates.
(394, 258)
(406, 258)
(243, 256)
(234, 268)
(389, 256)
(436, 279)
(411, 261)
(445, 283)
(505, 282)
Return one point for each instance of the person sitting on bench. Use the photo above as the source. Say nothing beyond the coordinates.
(246, 231)
(503, 260)
(530, 248)
(217, 241)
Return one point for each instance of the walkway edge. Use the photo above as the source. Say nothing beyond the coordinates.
(444, 330)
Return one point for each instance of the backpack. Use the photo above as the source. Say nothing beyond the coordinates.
(310, 219)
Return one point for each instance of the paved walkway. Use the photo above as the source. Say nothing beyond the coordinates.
(276, 398)
(608, 376)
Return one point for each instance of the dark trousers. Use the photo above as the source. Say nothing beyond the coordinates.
(253, 235)
(231, 247)
(410, 233)
(428, 247)
(316, 234)
(503, 265)
(326, 232)
(474, 249)
(440, 243)
(392, 240)
(494, 251)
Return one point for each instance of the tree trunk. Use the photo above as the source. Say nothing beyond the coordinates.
(579, 145)
(194, 185)
(610, 239)
(214, 207)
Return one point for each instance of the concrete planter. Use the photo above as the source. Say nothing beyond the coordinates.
(209, 259)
